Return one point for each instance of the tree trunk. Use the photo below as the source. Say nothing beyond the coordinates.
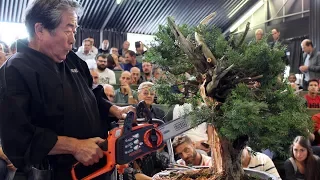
(226, 160)
(231, 159)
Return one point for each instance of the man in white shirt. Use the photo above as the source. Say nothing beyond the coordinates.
(93, 49)
(185, 148)
(106, 76)
(86, 54)
(199, 134)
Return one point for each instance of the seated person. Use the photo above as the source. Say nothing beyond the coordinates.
(292, 81)
(312, 98)
(116, 65)
(203, 133)
(302, 164)
(316, 132)
(109, 92)
(147, 94)
(147, 69)
(124, 94)
(95, 77)
(157, 73)
(131, 61)
(186, 150)
(135, 76)
(258, 161)
(199, 134)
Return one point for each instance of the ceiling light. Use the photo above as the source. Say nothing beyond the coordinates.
(118, 1)
(237, 8)
(246, 15)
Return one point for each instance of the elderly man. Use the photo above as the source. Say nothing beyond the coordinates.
(311, 67)
(95, 78)
(49, 114)
(93, 50)
(124, 94)
(109, 92)
(135, 76)
(258, 36)
(185, 148)
(125, 48)
(147, 94)
(86, 53)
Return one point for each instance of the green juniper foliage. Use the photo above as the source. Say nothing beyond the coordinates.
(271, 115)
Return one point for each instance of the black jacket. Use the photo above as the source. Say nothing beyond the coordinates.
(41, 100)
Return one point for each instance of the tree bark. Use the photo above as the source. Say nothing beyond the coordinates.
(231, 159)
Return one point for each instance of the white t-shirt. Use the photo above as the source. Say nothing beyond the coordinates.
(198, 133)
(106, 77)
(94, 50)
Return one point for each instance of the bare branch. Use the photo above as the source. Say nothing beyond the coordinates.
(205, 49)
(244, 34)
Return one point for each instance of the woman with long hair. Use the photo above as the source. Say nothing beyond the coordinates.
(303, 164)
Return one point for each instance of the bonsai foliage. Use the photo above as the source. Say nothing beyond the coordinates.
(244, 81)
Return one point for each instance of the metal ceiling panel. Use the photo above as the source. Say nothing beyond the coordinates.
(139, 16)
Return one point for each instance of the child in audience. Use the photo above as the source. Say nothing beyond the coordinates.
(302, 164)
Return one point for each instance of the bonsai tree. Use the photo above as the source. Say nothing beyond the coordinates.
(247, 102)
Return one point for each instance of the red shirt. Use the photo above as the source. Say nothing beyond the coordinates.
(312, 102)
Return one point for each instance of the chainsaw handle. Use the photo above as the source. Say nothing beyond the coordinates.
(108, 148)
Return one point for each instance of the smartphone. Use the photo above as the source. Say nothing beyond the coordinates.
(206, 145)
(137, 44)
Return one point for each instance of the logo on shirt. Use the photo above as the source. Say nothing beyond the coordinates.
(74, 70)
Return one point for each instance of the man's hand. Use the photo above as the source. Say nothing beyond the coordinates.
(4, 157)
(127, 89)
(11, 167)
(121, 112)
(87, 151)
(303, 68)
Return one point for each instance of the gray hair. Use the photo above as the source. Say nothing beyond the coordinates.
(155, 68)
(48, 13)
(259, 30)
(145, 84)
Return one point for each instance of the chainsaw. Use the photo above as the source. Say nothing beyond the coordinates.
(129, 142)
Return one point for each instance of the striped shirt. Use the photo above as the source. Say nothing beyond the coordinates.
(262, 162)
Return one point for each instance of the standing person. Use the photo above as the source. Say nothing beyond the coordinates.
(302, 164)
(48, 112)
(311, 58)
